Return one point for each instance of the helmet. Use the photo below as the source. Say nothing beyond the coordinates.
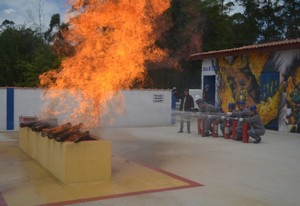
(231, 105)
(200, 101)
(241, 102)
(253, 107)
(197, 97)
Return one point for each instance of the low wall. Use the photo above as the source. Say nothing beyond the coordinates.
(69, 162)
(141, 108)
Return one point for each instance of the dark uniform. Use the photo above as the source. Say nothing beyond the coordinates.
(242, 113)
(257, 127)
(210, 111)
(186, 104)
(231, 108)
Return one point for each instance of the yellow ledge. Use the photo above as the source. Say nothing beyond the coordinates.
(69, 162)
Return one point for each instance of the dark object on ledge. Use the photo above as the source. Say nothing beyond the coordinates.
(82, 136)
(28, 124)
(51, 133)
(38, 125)
(72, 130)
(42, 124)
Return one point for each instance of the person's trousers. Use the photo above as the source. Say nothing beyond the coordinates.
(188, 124)
(254, 133)
(239, 131)
(208, 123)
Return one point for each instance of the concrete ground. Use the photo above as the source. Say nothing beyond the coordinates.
(228, 172)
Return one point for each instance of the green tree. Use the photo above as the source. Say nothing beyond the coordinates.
(181, 39)
(55, 36)
(54, 26)
(198, 25)
(216, 25)
(270, 21)
(246, 25)
(291, 17)
(24, 55)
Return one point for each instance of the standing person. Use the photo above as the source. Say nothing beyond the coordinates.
(186, 105)
(205, 94)
(231, 108)
(173, 105)
(211, 114)
(174, 98)
(242, 112)
(257, 127)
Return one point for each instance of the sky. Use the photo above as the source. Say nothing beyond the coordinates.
(19, 11)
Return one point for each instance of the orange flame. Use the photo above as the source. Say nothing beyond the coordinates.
(113, 39)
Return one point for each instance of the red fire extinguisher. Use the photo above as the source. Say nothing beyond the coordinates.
(215, 128)
(199, 120)
(234, 124)
(202, 125)
(227, 129)
(245, 136)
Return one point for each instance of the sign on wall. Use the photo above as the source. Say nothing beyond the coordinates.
(158, 98)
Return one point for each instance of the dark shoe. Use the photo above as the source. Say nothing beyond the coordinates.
(205, 135)
(258, 139)
(189, 132)
(180, 131)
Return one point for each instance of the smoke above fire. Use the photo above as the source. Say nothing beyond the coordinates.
(112, 39)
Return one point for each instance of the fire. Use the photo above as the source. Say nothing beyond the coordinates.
(113, 39)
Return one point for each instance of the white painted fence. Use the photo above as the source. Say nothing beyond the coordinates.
(141, 108)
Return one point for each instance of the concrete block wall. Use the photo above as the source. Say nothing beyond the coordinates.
(142, 108)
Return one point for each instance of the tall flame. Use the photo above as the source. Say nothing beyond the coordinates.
(112, 39)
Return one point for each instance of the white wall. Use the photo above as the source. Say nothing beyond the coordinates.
(3, 109)
(142, 108)
(27, 102)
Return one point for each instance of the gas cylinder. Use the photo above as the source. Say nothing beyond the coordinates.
(203, 124)
(227, 129)
(245, 136)
(234, 124)
(199, 120)
(215, 129)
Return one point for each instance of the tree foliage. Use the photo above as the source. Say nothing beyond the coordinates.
(217, 28)
(23, 56)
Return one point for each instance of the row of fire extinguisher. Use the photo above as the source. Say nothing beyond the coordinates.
(215, 128)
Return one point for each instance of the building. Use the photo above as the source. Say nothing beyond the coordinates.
(267, 75)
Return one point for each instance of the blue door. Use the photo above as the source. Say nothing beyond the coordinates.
(209, 88)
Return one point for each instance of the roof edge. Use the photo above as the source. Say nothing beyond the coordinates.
(265, 47)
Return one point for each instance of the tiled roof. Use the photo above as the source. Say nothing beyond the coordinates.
(265, 47)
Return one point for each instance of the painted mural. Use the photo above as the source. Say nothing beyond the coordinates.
(269, 80)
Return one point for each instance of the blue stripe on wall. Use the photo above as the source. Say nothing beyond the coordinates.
(10, 109)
